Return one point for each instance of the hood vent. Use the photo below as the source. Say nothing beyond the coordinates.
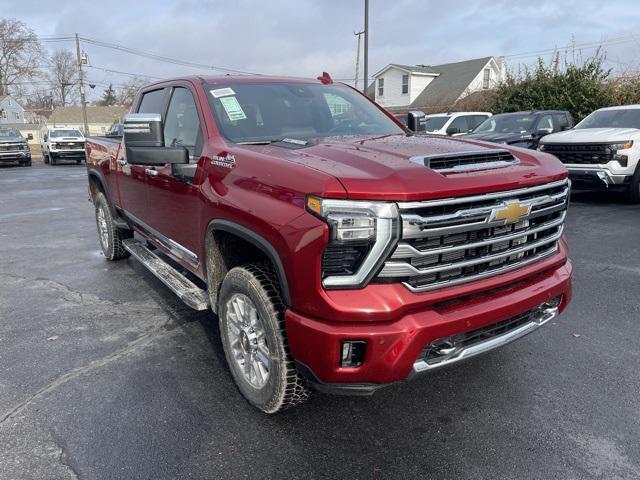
(487, 159)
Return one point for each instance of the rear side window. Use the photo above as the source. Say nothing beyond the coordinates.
(152, 102)
(182, 125)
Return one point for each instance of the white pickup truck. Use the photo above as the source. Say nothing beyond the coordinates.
(602, 151)
(59, 143)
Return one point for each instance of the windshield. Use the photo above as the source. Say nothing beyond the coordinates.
(9, 133)
(255, 112)
(507, 124)
(622, 118)
(433, 124)
(65, 133)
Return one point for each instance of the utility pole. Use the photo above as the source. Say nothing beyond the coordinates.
(83, 102)
(358, 35)
(366, 46)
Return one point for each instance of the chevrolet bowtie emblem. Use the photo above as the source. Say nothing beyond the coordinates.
(511, 212)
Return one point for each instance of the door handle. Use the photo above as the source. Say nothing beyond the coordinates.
(151, 171)
(121, 162)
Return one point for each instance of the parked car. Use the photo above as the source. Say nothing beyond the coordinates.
(338, 251)
(59, 143)
(602, 151)
(115, 130)
(522, 129)
(454, 123)
(14, 147)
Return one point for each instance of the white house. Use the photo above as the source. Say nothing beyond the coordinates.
(435, 87)
(10, 110)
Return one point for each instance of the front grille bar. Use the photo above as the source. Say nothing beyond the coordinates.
(405, 250)
(402, 269)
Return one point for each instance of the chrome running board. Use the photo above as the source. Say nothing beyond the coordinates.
(184, 288)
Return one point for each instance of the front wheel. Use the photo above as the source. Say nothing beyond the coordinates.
(110, 236)
(45, 158)
(253, 335)
(632, 195)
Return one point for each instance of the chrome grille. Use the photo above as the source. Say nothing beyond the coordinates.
(453, 241)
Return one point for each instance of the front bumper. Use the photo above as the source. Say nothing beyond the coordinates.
(70, 154)
(15, 156)
(597, 176)
(395, 349)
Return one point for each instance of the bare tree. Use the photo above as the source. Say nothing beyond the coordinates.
(20, 54)
(64, 76)
(127, 93)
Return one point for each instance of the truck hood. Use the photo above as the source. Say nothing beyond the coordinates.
(12, 139)
(592, 135)
(379, 167)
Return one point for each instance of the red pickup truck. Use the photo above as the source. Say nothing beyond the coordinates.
(339, 251)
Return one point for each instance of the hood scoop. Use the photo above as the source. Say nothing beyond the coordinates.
(486, 159)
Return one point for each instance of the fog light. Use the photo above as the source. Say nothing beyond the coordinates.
(353, 352)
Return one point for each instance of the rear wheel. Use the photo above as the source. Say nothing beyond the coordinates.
(632, 195)
(110, 236)
(251, 316)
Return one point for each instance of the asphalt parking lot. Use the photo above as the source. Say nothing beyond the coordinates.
(105, 374)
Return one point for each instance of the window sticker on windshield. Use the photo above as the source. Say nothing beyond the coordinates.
(233, 108)
(222, 92)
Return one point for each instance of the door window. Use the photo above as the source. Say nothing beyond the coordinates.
(562, 121)
(152, 102)
(459, 123)
(182, 125)
(546, 121)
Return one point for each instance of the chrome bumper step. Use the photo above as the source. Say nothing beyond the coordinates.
(185, 289)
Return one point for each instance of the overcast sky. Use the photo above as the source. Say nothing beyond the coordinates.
(305, 37)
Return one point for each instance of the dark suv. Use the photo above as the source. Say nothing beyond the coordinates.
(522, 129)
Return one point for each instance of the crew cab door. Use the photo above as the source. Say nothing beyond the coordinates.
(173, 202)
(132, 179)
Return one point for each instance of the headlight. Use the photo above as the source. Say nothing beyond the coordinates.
(361, 236)
(621, 145)
(52, 145)
(542, 147)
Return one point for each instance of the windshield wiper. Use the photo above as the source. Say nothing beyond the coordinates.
(292, 141)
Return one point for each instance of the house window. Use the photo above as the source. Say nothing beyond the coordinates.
(381, 87)
(487, 78)
(405, 84)
(3, 114)
(16, 115)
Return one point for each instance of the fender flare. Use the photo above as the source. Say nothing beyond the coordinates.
(117, 218)
(259, 242)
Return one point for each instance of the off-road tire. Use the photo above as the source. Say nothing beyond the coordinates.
(285, 388)
(45, 158)
(52, 159)
(632, 194)
(109, 235)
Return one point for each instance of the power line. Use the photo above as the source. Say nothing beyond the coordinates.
(153, 56)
